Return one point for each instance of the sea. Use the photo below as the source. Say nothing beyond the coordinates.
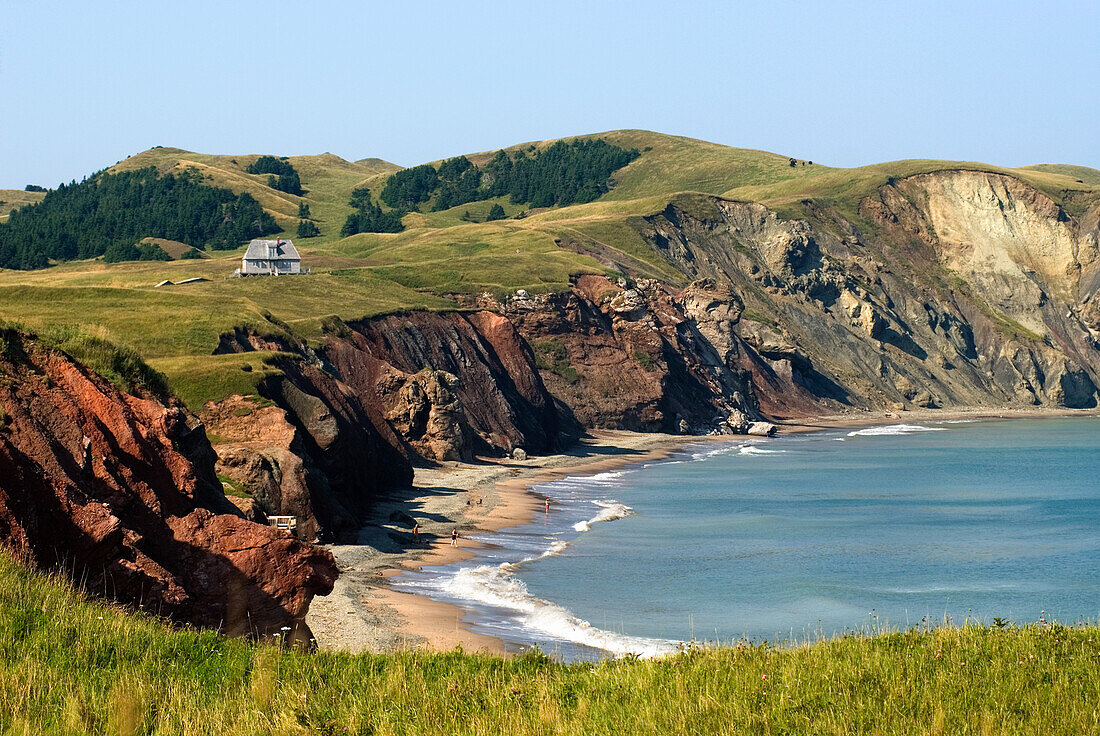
(796, 538)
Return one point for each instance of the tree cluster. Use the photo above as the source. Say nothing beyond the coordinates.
(33, 188)
(118, 252)
(369, 217)
(283, 176)
(562, 174)
(85, 219)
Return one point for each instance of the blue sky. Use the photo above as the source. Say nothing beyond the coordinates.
(83, 85)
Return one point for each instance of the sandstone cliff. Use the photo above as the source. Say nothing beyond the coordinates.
(119, 491)
(949, 289)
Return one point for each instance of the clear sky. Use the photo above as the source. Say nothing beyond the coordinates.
(84, 84)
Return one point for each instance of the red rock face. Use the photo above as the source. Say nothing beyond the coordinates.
(497, 382)
(120, 492)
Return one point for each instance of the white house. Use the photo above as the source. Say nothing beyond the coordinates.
(270, 257)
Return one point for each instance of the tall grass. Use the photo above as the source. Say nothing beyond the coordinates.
(70, 666)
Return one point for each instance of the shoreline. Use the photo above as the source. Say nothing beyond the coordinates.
(363, 613)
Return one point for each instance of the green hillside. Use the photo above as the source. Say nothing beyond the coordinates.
(439, 254)
(1083, 174)
(13, 199)
(72, 666)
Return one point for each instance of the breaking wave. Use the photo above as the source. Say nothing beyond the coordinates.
(893, 430)
(755, 450)
(497, 586)
(609, 511)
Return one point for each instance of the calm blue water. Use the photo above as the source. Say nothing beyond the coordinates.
(800, 536)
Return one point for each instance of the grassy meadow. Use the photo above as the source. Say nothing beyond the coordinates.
(438, 256)
(73, 666)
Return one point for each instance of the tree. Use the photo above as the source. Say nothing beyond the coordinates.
(283, 177)
(409, 187)
(496, 212)
(34, 188)
(466, 217)
(303, 210)
(306, 229)
(369, 217)
(114, 211)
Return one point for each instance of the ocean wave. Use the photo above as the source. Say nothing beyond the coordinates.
(894, 429)
(707, 454)
(495, 585)
(609, 511)
(755, 450)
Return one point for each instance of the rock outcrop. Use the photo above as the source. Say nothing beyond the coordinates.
(119, 491)
(971, 288)
(309, 449)
(495, 379)
(639, 357)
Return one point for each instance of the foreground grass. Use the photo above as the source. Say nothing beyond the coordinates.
(70, 666)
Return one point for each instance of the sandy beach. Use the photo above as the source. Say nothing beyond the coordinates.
(363, 614)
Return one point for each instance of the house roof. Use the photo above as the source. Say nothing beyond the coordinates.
(267, 249)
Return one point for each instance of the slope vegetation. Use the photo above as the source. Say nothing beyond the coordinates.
(447, 259)
(70, 666)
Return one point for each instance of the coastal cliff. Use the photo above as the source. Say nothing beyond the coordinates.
(119, 491)
(951, 289)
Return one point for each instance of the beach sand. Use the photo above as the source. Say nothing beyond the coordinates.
(363, 614)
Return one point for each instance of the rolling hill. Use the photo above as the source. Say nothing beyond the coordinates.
(441, 261)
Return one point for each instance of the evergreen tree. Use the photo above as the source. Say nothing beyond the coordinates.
(496, 212)
(409, 187)
(306, 229)
(303, 211)
(369, 217)
(284, 177)
(114, 211)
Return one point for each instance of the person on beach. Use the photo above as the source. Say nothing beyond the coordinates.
(416, 532)
(454, 537)
(548, 505)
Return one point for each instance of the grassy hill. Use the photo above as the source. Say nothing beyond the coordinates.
(72, 666)
(437, 256)
(13, 199)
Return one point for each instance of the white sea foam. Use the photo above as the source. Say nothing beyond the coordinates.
(609, 511)
(706, 454)
(755, 450)
(894, 429)
(496, 586)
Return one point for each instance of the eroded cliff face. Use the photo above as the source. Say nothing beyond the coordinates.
(492, 378)
(345, 423)
(643, 357)
(309, 449)
(967, 288)
(120, 492)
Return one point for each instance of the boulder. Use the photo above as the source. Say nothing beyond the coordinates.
(519, 454)
(738, 422)
(762, 429)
